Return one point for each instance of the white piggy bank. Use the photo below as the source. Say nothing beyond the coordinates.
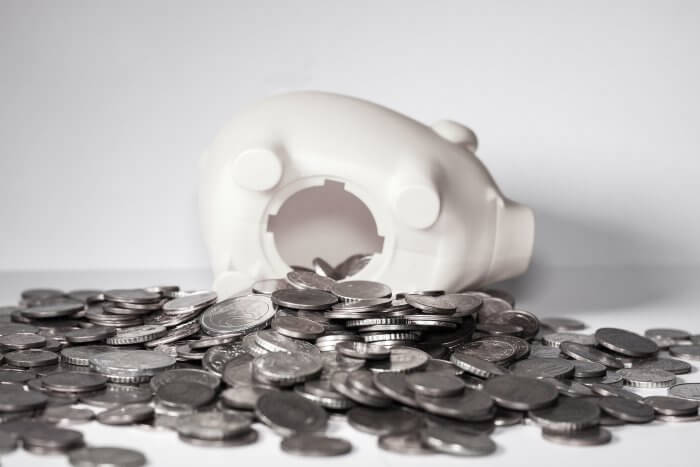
(312, 174)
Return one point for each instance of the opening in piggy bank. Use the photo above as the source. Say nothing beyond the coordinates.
(323, 221)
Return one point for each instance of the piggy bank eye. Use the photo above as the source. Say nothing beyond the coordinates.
(257, 169)
(456, 133)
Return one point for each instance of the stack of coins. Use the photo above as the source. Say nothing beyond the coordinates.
(423, 371)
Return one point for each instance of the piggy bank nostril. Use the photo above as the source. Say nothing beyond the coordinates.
(257, 169)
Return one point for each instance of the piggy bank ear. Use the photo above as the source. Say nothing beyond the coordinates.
(257, 169)
(456, 133)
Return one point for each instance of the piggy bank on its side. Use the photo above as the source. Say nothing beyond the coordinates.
(312, 174)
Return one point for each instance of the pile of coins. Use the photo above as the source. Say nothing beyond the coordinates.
(424, 371)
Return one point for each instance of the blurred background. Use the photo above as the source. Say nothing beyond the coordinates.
(586, 111)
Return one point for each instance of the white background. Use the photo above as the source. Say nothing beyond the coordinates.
(586, 111)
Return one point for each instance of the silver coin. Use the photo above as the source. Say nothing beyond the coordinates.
(238, 315)
(212, 425)
(363, 381)
(81, 355)
(625, 342)
(594, 436)
(267, 286)
(457, 443)
(38, 294)
(677, 367)
(272, 341)
(360, 290)
(672, 335)
(323, 268)
(17, 328)
(42, 438)
(626, 409)
(106, 457)
(184, 395)
(563, 324)
(31, 358)
(175, 334)
(607, 390)
(521, 318)
(383, 421)
(433, 305)
(303, 299)
(64, 413)
(672, 405)
(363, 350)
(364, 306)
(206, 342)
(340, 383)
(191, 375)
(216, 358)
(401, 359)
(352, 265)
(689, 391)
(288, 413)
(408, 444)
(556, 338)
(492, 306)
(54, 310)
(21, 341)
(543, 368)
(520, 393)
(298, 328)
(686, 352)
(465, 304)
(647, 378)
(497, 329)
(8, 442)
(20, 401)
(190, 302)
(90, 335)
(307, 280)
(586, 369)
(475, 365)
(118, 394)
(395, 386)
(249, 437)
(137, 335)
(243, 397)
(126, 414)
(285, 369)
(131, 296)
(590, 354)
(305, 444)
(678, 418)
(322, 393)
(505, 417)
(567, 415)
(472, 405)
(496, 351)
(71, 381)
(133, 365)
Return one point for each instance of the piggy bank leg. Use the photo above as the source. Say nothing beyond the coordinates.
(231, 283)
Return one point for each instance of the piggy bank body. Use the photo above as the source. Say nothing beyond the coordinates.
(311, 174)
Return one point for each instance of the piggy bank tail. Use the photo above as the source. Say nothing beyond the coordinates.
(514, 241)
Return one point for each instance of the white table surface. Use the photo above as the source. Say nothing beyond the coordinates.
(621, 297)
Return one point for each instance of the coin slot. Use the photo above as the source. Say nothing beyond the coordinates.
(324, 221)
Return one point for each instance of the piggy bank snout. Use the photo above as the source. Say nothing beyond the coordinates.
(513, 243)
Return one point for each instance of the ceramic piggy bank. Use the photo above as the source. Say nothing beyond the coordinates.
(312, 175)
